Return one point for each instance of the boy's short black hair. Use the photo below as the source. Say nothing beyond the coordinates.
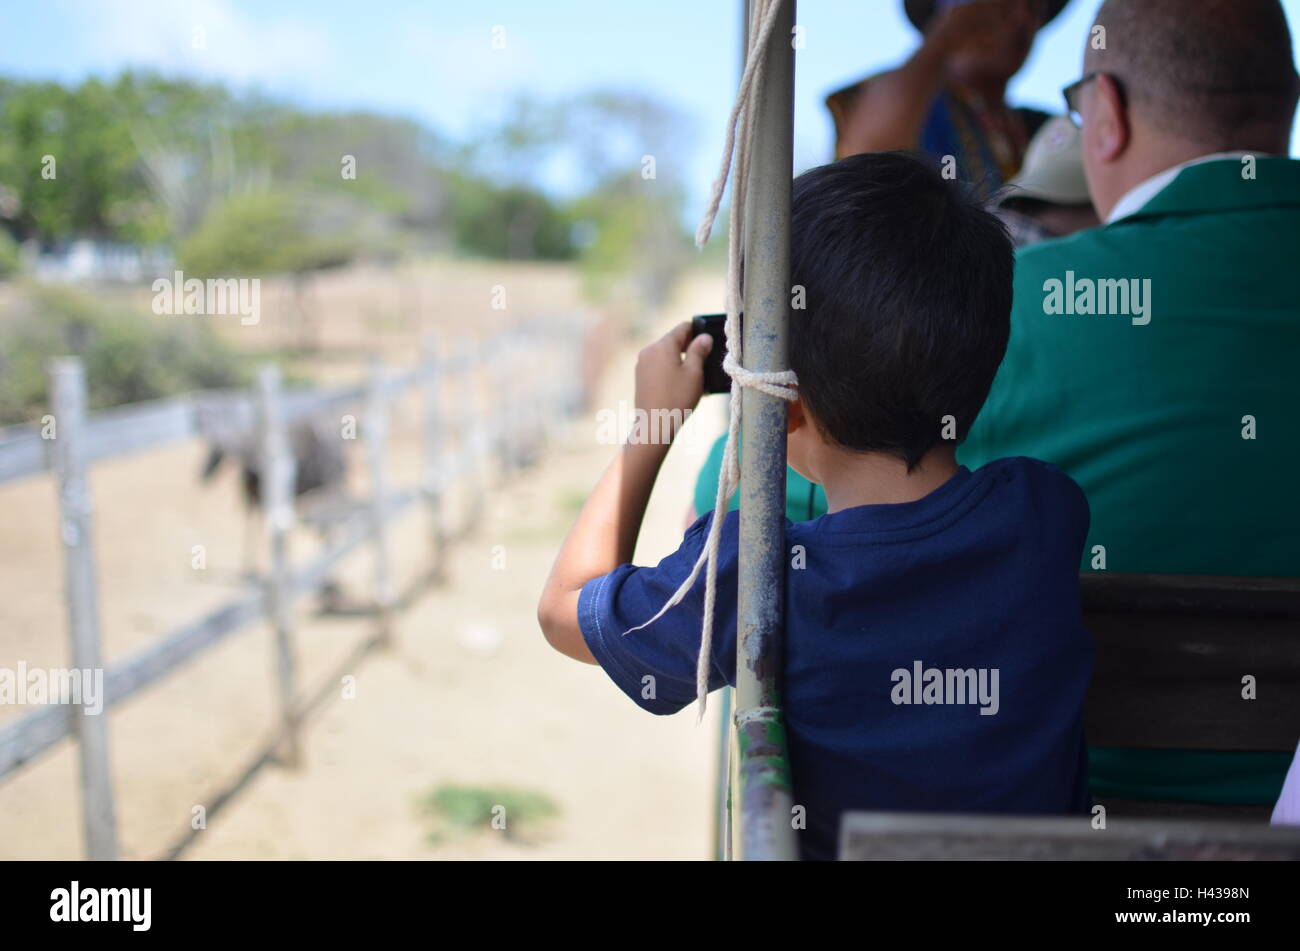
(907, 284)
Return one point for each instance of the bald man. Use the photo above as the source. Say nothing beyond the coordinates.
(1154, 358)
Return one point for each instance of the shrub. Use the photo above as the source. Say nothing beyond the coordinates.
(129, 356)
(262, 233)
(10, 261)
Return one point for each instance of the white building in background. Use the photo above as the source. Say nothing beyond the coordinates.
(88, 260)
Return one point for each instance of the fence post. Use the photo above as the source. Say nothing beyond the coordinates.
(548, 359)
(475, 441)
(276, 489)
(67, 380)
(576, 347)
(435, 452)
(541, 366)
(376, 427)
(501, 372)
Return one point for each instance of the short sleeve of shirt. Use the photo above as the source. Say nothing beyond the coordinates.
(656, 665)
(1062, 500)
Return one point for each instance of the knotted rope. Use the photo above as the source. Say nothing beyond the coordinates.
(778, 383)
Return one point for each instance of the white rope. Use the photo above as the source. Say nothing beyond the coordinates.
(777, 383)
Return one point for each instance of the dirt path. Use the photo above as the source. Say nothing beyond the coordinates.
(470, 694)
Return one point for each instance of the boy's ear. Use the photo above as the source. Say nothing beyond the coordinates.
(795, 417)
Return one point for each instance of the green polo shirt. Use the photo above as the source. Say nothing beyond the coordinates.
(804, 500)
(1173, 399)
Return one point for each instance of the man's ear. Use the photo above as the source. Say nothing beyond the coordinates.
(1106, 127)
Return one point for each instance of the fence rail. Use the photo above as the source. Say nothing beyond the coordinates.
(536, 378)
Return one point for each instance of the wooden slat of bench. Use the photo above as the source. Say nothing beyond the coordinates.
(878, 836)
(1203, 595)
(1199, 811)
(1175, 682)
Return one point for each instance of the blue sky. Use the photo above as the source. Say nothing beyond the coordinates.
(434, 60)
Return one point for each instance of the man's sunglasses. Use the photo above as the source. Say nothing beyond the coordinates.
(1071, 95)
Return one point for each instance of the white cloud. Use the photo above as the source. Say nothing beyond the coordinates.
(276, 51)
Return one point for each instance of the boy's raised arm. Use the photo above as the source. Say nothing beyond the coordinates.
(669, 376)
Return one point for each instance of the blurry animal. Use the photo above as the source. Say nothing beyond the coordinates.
(320, 470)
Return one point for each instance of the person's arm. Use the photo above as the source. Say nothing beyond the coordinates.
(669, 376)
(889, 110)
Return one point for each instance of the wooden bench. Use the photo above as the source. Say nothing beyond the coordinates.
(886, 836)
(1172, 652)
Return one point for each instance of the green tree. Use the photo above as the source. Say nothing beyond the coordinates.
(260, 233)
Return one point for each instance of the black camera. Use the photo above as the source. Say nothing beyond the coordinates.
(715, 378)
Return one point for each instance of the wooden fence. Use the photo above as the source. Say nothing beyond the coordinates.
(534, 375)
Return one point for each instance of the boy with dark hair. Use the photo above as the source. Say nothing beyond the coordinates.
(935, 659)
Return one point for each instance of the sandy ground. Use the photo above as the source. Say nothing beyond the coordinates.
(469, 694)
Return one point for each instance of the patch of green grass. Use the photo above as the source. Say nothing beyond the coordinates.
(459, 810)
(572, 500)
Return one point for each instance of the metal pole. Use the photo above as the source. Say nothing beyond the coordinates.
(765, 798)
(68, 404)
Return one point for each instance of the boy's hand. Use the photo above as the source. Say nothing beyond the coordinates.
(669, 376)
(670, 372)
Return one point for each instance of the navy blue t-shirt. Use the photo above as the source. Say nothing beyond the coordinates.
(903, 623)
